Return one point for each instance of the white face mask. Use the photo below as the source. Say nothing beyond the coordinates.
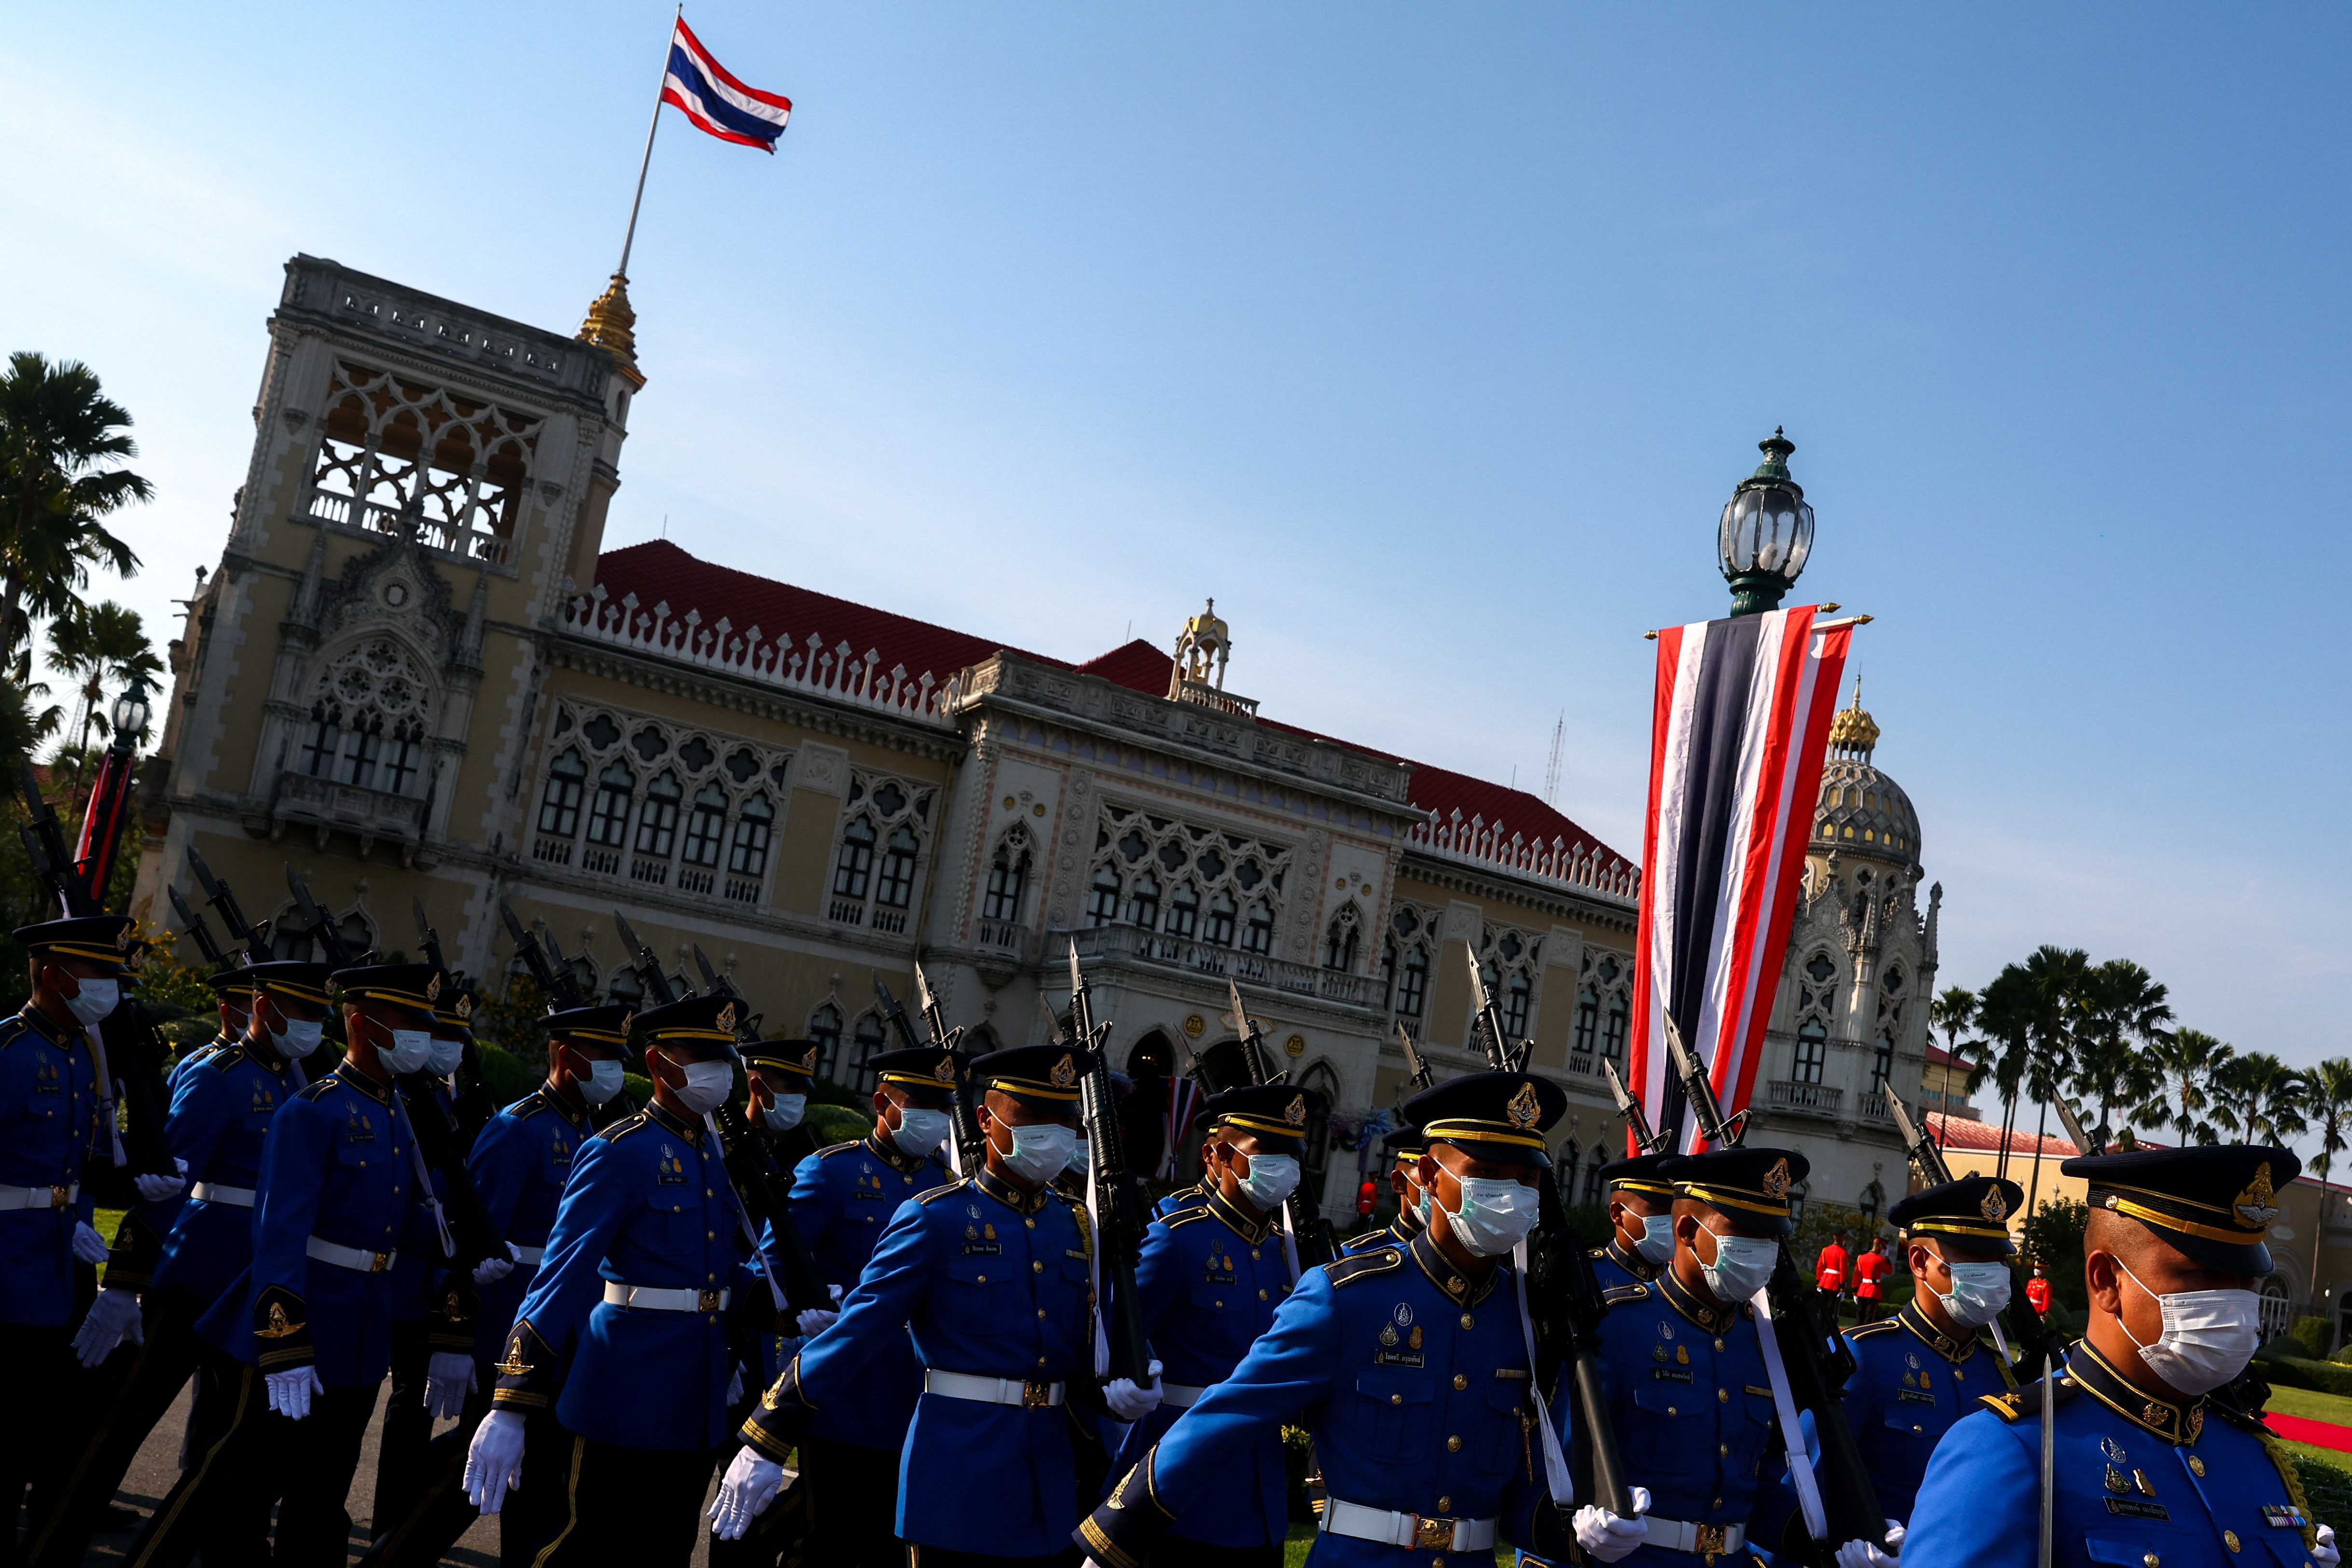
(706, 1086)
(1979, 1292)
(1040, 1152)
(96, 999)
(1742, 1263)
(602, 1082)
(1421, 1208)
(1082, 1156)
(446, 1054)
(918, 1131)
(298, 1039)
(411, 1049)
(1496, 1213)
(785, 1113)
(2208, 1337)
(1657, 1243)
(1271, 1179)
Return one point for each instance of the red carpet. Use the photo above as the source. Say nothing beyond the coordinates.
(2318, 1434)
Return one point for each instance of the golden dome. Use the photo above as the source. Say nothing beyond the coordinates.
(1206, 628)
(612, 326)
(1852, 732)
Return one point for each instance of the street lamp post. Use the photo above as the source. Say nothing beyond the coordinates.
(129, 715)
(1766, 532)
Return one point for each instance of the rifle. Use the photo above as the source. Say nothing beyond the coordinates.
(125, 1048)
(472, 1109)
(1310, 1244)
(255, 938)
(557, 983)
(1645, 1140)
(193, 927)
(1815, 1363)
(1416, 1065)
(2024, 1323)
(648, 965)
(1122, 1221)
(970, 1144)
(317, 922)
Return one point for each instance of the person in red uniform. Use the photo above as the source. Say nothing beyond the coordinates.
(1870, 1272)
(1829, 1273)
(2037, 1290)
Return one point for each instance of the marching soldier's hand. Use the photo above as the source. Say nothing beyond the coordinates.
(155, 1189)
(1607, 1536)
(88, 1247)
(490, 1270)
(290, 1392)
(749, 1486)
(448, 1378)
(1130, 1403)
(815, 1321)
(2325, 1555)
(1865, 1555)
(112, 1316)
(494, 1461)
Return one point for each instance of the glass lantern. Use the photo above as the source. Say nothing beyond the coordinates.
(130, 713)
(1765, 532)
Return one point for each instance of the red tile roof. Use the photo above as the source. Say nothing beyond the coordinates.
(1937, 1056)
(658, 572)
(1984, 1137)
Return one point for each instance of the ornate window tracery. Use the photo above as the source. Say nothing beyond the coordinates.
(886, 822)
(1008, 878)
(1509, 959)
(1407, 956)
(1188, 883)
(1341, 940)
(1604, 1002)
(369, 711)
(393, 448)
(1813, 1051)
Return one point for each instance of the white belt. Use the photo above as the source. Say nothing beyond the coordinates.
(994, 1390)
(1680, 1535)
(1361, 1523)
(652, 1298)
(214, 1192)
(356, 1259)
(1180, 1395)
(39, 1198)
(530, 1255)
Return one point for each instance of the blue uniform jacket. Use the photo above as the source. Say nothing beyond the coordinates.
(2139, 1480)
(648, 1204)
(842, 1198)
(221, 1112)
(1614, 1267)
(1414, 1382)
(1188, 1197)
(1209, 1281)
(1398, 1232)
(519, 1164)
(336, 1164)
(993, 1282)
(1690, 1403)
(49, 1120)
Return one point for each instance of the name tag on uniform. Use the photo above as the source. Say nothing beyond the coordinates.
(1399, 1358)
(1217, 1277)
(868, 1193)
(2132, 1508)
(982, 1248)
(1670, 1373)
(359, 1129)
(670, 1171)
(1914, 1396)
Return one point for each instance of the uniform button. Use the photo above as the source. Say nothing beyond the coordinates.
(2230, 1538)
(712, 1235)
(1467, 1320)
(1437, 1563)
(1444, 1503)
(1454, 1444)
(1723, 1450)
(984, 1278)
(1221, 1303)
(708, 1193)
(1254, 1256)
(1716, 1504)
(1261, 1295)
(1030, 1223)
(1672, 1411)
(712, 1277)
(1396, 1399)
(1037, 1266)
(1723, 1397)
(1959, 1376)
(1461, 1380)
(2196, 1464)
(1041, 1314)
(2153, 1561)
(1041, 1360)
(1718, 1344)
(1916, 1430)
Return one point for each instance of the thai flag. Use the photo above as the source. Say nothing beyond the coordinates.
(1742, 719)
(707, 94)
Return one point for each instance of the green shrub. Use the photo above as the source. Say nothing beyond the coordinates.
(2313, 1334)
(830, 1124)
(507, 1077)
(2295, 1372)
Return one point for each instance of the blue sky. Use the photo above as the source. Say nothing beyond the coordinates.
(1430, 342)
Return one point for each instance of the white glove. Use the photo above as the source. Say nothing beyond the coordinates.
(735, 1385)
(490, 1270)
(2324, 1555)
(815, 1321)
(155, 1189)
(494, 1461)
(1128, 1402)
(1607, 1536)
(88, 1247)
(1866, 1554)
(448, 1378)
(290, 1392)
(747, 1488)
(114, 1314)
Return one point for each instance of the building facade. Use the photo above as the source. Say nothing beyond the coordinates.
(417, 674)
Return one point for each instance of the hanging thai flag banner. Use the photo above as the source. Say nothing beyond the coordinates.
(1741, 724)
(1183, 1104)
(707, 93)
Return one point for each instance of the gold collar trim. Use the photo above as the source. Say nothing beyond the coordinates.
(1632, 1263)
(1252, 1232)
(1714, 1319)
(897, 1160)
(2179, 1424)
(1943, 1344)
(663, 1116)
(1011, 1196)
(352, 1077)
(1459, 1287)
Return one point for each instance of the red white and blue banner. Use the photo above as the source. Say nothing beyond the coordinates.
(1741, 724)
(707, 93)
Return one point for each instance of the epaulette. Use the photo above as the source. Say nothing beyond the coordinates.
(2024, 1402)
(315, 1088)
(935, 1194)
(531, 1104)
(830, 1150)
(624, 1127)
(1618, 1295)
(1884, 1325)
(1596, 1253)
(1346, 1270)
(1367, 1238)
(224, 1058)
(1184, 1216)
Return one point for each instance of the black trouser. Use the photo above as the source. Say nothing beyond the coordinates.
(401, 1468)
(1830, 1305)
(32, 1396)
(638, 1506)
(243, 1456)
(941, 1557)
(853, 1494)
(1172, 1552)
(158, 1368)
(441, 1511)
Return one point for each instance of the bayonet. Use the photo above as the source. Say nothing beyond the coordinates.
(1416, 1065)
(193, 926)
(339, 953)
(429, 940)
(255, 938)
(650, 973)
(1926, 1158)
(1645, 1140)
(1714, 1127)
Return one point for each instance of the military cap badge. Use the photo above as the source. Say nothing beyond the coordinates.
(1065, 1072)
(465, 1007)
(1995, 1206)
(1524, 1108)
(2258, 1205)
(1776, 1180)
(433, 989)
(945, 1073)
(1295, 1112)
(726, 1019)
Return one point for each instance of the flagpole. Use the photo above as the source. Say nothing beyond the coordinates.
(629, 240)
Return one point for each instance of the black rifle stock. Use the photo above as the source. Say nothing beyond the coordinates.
(557, 983)
(1121, 1224)
(972, 1145)
(193, 927)
(254, 938)
(1312, 1240)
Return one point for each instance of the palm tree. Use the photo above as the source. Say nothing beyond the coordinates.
(2004, 1015)
(2329, 1099)
(1954, 1011)
(2121, 1006)
(2190, 1062)
(2057, 978)
(56, 429)
(105, 645)
(2264, 1099)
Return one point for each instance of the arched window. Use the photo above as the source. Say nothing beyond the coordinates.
(367, 719)
(1102, 898)
(1143, 905)
(825, 1028)
(1339, 940)
(1219, 927)
(853, 869)
(1008, 878)
(747, 857)
(1592, 1192)
(608, 816)
(885, 816)
(895, 885)
(1813, 1051)
(1184, 909)
(1612, 1033)
(1882, 1062)
(869, 1040)
(1257, 932)
(559, 806)
(1874, 1198)
(705, 827)
(658, 819)
(1518, 999)
(1588, 1021)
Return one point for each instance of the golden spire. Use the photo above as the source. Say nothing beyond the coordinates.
(1852, 728)
(611, 325)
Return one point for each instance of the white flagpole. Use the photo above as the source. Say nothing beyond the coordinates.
(629, 240)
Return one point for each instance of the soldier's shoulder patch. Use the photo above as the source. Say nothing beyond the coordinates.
(1618, 1295)
(315, 1088)
(1363, 1264)
(2023, 1403)
(1185, 1217)
(830, 1150)
(224, 1058)
(624, 1127)
(1366, 1240)
(936, 1194)
(529, 1105)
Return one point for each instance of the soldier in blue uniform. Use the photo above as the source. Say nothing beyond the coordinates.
(2153, 1464)
(232, 988)
(1688, 1391)
(307, 1330)
(1410, 1364)
(1640, 1221)
(1404, 1148)
(1210, 1281)
(623, 1332)
(991, 1275)
(843, 1197)
(221, 1111)
(48, 1125)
